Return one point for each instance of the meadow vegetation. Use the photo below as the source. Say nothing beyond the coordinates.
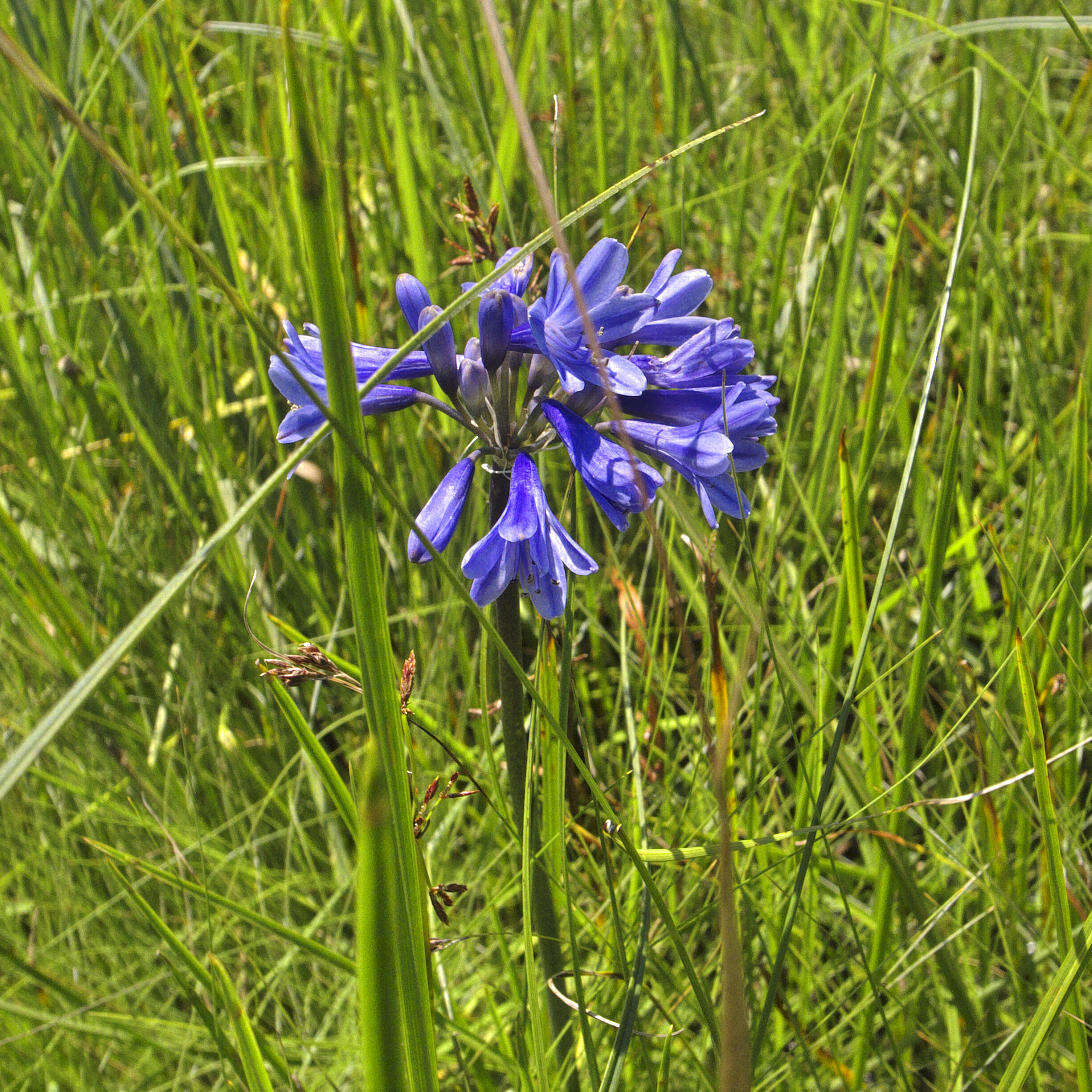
(889, 659)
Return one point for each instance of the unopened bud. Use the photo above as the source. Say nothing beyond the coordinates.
(412, 297)
(474, 386)
(440, 350)
(541, 374)
(496, 317)
(585, 401)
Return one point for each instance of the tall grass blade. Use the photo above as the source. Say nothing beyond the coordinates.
(404, 931)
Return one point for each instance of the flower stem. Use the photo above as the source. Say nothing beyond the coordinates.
(542, 909)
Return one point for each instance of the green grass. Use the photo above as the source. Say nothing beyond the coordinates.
(902, 623)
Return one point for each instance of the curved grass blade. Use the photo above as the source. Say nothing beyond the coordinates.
(31, 746)
(313, 748)
(180, 883)
(1038, 1027)
(1052, 851)
(256, 1074)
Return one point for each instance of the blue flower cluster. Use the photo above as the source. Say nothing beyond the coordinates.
(530, 380)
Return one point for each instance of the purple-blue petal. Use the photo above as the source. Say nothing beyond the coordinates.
(574, 557)
(517, 278)
(289, 386)
(672, 407)
(599, 273)
(299, 423)
(702, 448)
(440, 515)
(526, 502)
(619, 483)
(673, 331)
(684, 293)
(484, 556)
(714, 351)
(538, 559)
(620, 318)
(368, 359)
(663, 272)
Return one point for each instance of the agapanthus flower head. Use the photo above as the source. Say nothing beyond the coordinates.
(532, 380)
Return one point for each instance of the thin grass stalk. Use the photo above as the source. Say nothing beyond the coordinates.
(185, 961)
(734, 1069)
(564, 699)
(1079, 517)
(635, 973)
(403, 931)
(257, 1076)
(262, 921)
(911, 724)
(1064, 979)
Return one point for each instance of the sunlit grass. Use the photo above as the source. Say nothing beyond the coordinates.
(180, 882)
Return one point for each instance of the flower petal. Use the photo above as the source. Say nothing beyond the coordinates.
(599, 273)
(574, 557)
(440, 515)
(663, 272)
(684, 293)
(523, 514)
(673, 331)
(299, 423)
(485, 555)
(484, 589)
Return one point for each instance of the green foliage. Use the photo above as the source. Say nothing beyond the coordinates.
(183, 903)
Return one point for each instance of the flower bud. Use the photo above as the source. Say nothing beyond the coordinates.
(541, 374)
(440, 350)
(412, 297)
(474, 386)
(496, 317)
(585, 401)
(440, 516)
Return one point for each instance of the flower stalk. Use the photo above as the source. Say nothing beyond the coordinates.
(527, 813)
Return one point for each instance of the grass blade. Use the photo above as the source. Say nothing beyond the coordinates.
(312, 747)
(404, 930)
(256, 1074)
(1038, 1027)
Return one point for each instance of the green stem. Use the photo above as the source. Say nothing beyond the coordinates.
(543, 912)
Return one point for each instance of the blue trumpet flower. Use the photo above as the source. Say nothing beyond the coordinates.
(527, 543)
(305, 352)
(619, 483)
(440, 515)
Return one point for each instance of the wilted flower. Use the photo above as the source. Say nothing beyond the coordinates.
(530, 380)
